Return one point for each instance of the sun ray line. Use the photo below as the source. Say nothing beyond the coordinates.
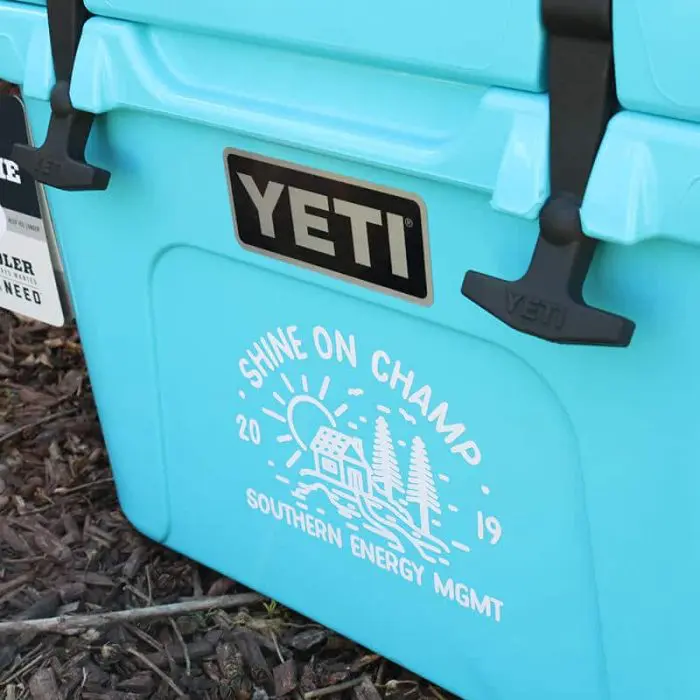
(304, 383)
(293, 459)
(287, 383)
(340, 410)
(324, 388)
(278, 398)
(284, 438)
(274, 415)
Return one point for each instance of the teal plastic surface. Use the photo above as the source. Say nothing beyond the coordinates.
(553, 555)
(499, 42)
(25, 34)
(657, 56)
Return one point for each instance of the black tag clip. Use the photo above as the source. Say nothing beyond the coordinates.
(60, 161)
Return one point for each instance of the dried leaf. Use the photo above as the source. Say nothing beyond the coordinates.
(92, 578)
(220, 587)
(73, 534)
(43, 685)
(285, 678)
(142, 683)
(71, 592)
(71, 383)
(230, 661)
(250, 650)
(366, 691)
(134, 562)
(9, 536)
(46, 606)
(309, 640)
(8, 653)
(50, 545)
(308, 680)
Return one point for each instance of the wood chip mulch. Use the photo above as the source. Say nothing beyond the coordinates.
(66, 549)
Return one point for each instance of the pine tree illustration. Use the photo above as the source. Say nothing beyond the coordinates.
(421, 485)
(385, 466)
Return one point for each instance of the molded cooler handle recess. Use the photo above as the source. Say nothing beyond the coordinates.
(547, 302)
(60, 161)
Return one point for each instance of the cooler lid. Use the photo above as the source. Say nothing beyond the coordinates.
(22, 28)
(643, 184)
(499, 42)
(646, 182)
(493, 141)
(657, 56)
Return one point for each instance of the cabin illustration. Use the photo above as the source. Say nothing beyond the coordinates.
(340, 458)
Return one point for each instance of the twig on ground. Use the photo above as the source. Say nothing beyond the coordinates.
(156, 670)
(137, 593)
(329, 690)
(436, 693)
(145, 637)
(277, 646)
(14, 583)
(186, 655)
(197, 591)
(35, 424)
(72, 624)
(90, 484)
(23, 669)
(380, 673)
(148, 583)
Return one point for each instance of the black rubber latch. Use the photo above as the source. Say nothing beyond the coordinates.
(547, 302)
(60, 161)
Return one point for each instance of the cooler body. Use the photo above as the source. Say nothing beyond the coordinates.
(295, 392)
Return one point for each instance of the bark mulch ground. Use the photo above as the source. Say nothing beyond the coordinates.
(66, 549)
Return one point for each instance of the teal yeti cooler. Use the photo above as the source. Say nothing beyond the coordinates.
(378, 330)
(657, 56)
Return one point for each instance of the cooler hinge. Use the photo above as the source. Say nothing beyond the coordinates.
(60, 161)
(547, 301)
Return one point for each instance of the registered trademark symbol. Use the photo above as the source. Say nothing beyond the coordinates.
(408, 222)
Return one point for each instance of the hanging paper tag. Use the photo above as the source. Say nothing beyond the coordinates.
(31, 278)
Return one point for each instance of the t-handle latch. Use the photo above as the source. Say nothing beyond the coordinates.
(60, 161)
(548, 301)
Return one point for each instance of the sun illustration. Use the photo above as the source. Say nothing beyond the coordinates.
(288, 407)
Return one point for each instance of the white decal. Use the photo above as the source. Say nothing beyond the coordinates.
(362, 476)
(460, 546)
(28, 284)
(491, 525)
(249, 430)
(9, 170)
